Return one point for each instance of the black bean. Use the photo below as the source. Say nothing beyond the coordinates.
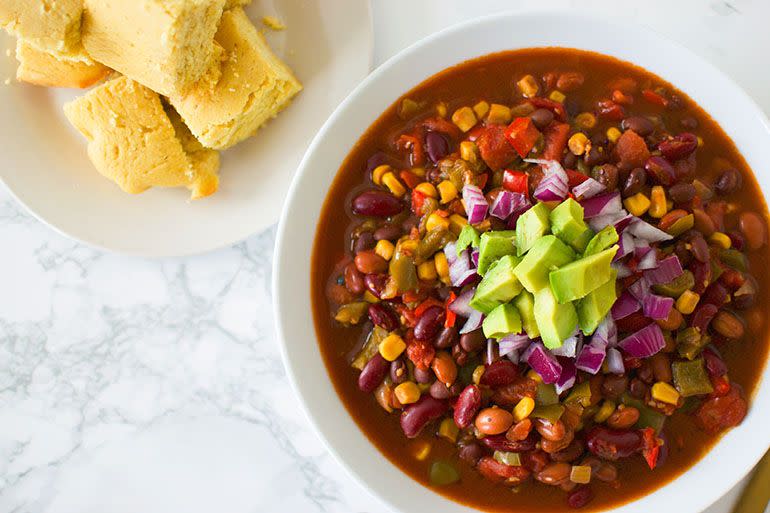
(569, 161)
(638, 124)
(607, 175)
(423, 375)
(365, 241)
(728, 182)
(437, 146)
(682, 192)
(447, 338)
(541, 118)
(473, 341)
(595, 156)
(636, 180)
(387, 232)
(398, 371)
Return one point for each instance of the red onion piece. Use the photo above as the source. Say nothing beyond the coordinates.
(625, 305)
(513, 342)
(587, 189)
(591, 358)
(602, 205)
(544, 363)
(476, 205)
(646, 231)
(657, 307)
(668, 269)
(644, 343)
(567, 377)
(473, 323)
(615, 361)
(461, 305)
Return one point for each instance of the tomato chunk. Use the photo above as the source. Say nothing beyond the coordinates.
(495, 149)
(719, 413)
(516, 181)
(522, 135)
(555, 135)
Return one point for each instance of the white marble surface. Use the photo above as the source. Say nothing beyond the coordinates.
(131, 385)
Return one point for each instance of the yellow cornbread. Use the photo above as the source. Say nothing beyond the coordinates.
(132, 141)
(52, 70)
(165, 45)
(204, 161)
(51, 25)
(253, 86)
(229, 4)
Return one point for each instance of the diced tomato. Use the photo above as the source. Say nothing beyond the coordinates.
(413, 296)
(494, 147)
(516, 181)
(719, 413)
(420, 352)
(575, 177)
(425, 305)
(721, 385)
(622, 98)
(650, 447)
(451, 317)
(475, 132)
(556, 107)
(410, 179)
(442, 125)
(732, 279)
(633, 322)
(418, 200)
(412, 144)
(409, 318)
(522, 135)
(654, 98)
(556, 136)
(608, 109)
(632, 150)
(631, 362)
(481, 180)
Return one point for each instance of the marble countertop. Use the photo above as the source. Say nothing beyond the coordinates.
(131, 385)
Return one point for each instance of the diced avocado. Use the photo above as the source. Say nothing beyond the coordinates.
(499, 285)
(548, 253)
(493, 246)
(468, 237)
(596, 305)
(567, 224)
(530, 226)
(525, 302)
(606, 237)
(502, 321)
(556, 321)
(575, 280)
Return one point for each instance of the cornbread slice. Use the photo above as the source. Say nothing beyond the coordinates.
(229, 4)
(165, 45)
(204, 161)
(132, 141)
(253, 87)
(51, 25)
(48, 69)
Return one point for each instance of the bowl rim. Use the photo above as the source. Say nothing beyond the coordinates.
(709, 489)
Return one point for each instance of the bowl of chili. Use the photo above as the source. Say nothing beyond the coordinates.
(534, 282)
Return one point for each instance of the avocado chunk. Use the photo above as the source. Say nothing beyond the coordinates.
(557, 322)
(576, 279)
(495, 245)
(502, 321)
(468, 237)
(596, 305)
(525, 302)
(567, 224)
(548, 253)
(606, 237)
(499, 285)
(530, 226)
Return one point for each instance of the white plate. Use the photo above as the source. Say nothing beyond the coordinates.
(328, 43)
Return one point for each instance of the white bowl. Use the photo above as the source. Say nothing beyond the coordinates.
(732, 457)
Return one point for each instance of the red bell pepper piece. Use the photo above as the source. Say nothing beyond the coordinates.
(556, 136)
(516, 181)
(451, 317)
(522, 135)
(481, 180)
(557, 108)
(418, 200)
(425, 305)
(608, 109)
(414, 146)
(410, 179)
(575, 177)
(650, 447)
(655, 98)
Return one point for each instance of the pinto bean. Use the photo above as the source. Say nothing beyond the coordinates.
(473, 341)
(753, 229)
(369, 262)
(493, 421)
(554, 473)
(444, 368)
(623, 417)
(554, 431)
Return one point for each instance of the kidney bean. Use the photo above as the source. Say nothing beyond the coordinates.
(716, 294)
(753, 229)
(499, 442)
(364, 242)
(383, 317)
(639, 124)
(614, 386)
(571, 453)
(541, 118)
(444, 368)
(679, 146)
(569, 81)
(737, 240)
(553, 431)
(446, 338)
(700, 249)
(660, 170)
(728, 325)
(509, 395)
(375, 283)
(437, 146)
(409, 223)
(473, 341)
(715, 366)
(623, 417)
(496, 471)
(467, 406)
(373, 373)
(716, 210)
(580, 496)
(377, 204)
(613, 444)
(703, 222)
(398, 371)
(535, 460)
(493, 421)
(728, 182)
(387, 232)
(661, 367)
(417, 415)
(554, 473)
(429, 323)
(607, 175)
(644, 372)
(471, 453)
(702, 316)
(500, 373)
(681, 192)
(636, 180)
(369, 262)
(354, 280)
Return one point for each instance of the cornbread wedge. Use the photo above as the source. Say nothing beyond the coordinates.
(165, 45)
(132, 141)
(229, 4)
(50, 25)
(52, 70)
(253, 86)
(204, 161)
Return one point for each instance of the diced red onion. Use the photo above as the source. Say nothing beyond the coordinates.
(450, 251)
(640, 289)
(587, 189)
(657, 307)
(475, 258)
(568, 348)
(644, 343)
(615, 361)
(623, 270)
(600, 222)
(492, 353)
(461, 305)
(525, 354)
(567, 377)
(550, 167)
(513, 356)
(668, 269)
(476, 205)
(625, 305)
(623, 222)
(591, 358)
(606, 333)
(461, 271)
(513, 342)
(625, 246)
(506, 203)
(648, 258)
(551, 188)
(646, 231)
(602, 205)
(544, 363)
(473, 323)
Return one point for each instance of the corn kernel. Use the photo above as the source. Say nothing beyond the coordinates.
(427, 271)
(385, 249)
(379, 172)
(481, 109)
(421, 450)
(499, 114)
(528, 86)
(669, 205)
(557, 96)
(407, 245)
(418, 171)
(392, 183)
(478, 372)
(408, 108)
(534, 376)
(580, 474)
(441, 109)
(407, 392)
(721, 240)
(687, 302)
(613, 134)
(578, 143)
(731, 208)
(700, 141)
(391, 348)
(436, 221)
(658, 207)
(464, 118)
(456, 223)
(585, 120)
(447, 190)
(370, 298)
(427, 189)
(469, 151)
(523, 408)
(665, 393)
(442, 266)
(605, 410)
(637, 204)
(448, 429)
